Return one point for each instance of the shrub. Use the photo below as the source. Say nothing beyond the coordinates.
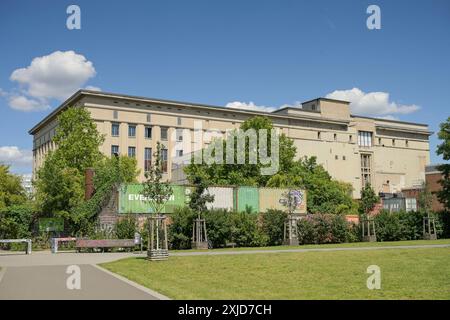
(325, 228)
(218, 227)
(272, 226)
(245, 231)
(388, 226)
(16, 221)
(353, 232)
(180, 229)
(444, 220)
(126, 227)
(306, 230)
(402, 225)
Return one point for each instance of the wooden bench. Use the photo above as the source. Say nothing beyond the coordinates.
(27, 241)
(104, 243)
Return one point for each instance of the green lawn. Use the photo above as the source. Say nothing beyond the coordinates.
(335, 245)
(405, 274)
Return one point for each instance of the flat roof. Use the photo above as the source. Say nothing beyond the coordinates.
(83, 92)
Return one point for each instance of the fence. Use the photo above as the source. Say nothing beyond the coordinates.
(238, 199)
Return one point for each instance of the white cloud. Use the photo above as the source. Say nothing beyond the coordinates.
(15, 157)
(93, 88)
(388, 117)
(23, 103)
(296, 104)
(371, 103)
(248, 106)
(54, 76)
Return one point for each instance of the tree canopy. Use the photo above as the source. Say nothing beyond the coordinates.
(444, 150)
(324, 194)
(11, 190)
(60, 181)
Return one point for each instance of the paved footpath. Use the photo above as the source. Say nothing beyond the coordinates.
(42, 275)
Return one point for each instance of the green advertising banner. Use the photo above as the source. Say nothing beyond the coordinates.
(132, 201)
(51, 224)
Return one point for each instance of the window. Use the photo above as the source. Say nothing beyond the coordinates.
(115, 114)
(132, 152)
(335, 137)
(164, 133)
(164, 159)
(114, 150)
(336, 157)
(179, 133)
(407, 143)
(318, 135)
(148, 132)
(313, 107)
(179, 153)
(115, 130)
(365, 139)
(379, 141)
(149, 117)
(350, 138)
(344, 158)
(179, 121)
(393, 142)
(131, 130)
(366, 168)
(147, 159)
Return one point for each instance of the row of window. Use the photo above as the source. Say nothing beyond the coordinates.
(115, 131)
(147, 156)
(364, 137)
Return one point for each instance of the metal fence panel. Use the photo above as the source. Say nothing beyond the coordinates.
(223, 198)
(246, 198)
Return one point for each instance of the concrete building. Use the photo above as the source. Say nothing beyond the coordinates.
(389, 154)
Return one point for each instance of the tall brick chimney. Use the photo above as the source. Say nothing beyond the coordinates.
(88, 183)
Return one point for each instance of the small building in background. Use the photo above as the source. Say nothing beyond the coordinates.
(432, 177)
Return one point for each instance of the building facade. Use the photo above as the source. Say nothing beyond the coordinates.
(391, 155)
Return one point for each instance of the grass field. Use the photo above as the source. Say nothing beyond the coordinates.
(334, 245)
(405, 274)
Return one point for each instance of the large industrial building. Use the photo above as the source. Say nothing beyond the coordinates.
(389, 154)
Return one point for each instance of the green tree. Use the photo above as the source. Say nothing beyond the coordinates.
(77, 139)
(58, 188)
(109, 174)
(444, 150)
(11, 190)
(368, 199)
(16, 221)
(425, 199)
(199, 197)
(244, 174)
(60, 181)
(324, 194)
(155, 191)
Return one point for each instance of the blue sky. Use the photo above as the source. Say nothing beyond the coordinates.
(252, 53)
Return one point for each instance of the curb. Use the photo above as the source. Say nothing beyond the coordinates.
(151, 292)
